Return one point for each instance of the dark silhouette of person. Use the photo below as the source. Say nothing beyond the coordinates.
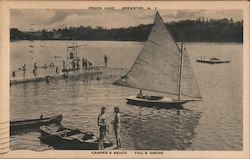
(63, 64)
(35, 69)
(24, 69)
(90, 64)
(106, 60)
(83, 63)
(57, 69)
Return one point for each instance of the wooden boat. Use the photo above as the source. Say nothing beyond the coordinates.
(19, 125)
(155, 101)
(213, 60)
(70, 139)
(162, 66)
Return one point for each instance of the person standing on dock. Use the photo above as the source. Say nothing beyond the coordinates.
(101, 122)
(106, 60)
(86, 64)
(56, 69)
(78, 64)
(117, 127)
(14, 74)
(73, 65)
(35, 69)
(24, 70)
(83, 63)
(90, 64)
(64, 65)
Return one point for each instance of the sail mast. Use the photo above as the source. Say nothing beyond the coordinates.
(180, 73)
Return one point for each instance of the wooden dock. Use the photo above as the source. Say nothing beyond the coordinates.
(87, 74)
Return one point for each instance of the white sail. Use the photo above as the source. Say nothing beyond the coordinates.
(189, 86)
(157, 66)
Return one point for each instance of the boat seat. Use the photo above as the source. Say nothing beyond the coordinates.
(150, 97)
(63, 131)
(77, 136)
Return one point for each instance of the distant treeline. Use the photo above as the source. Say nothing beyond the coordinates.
(199, 30)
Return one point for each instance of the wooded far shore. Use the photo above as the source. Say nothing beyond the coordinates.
(199, 30)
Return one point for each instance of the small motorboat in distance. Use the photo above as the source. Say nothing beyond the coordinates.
(19, 125)
(70, 139)
(213, 60)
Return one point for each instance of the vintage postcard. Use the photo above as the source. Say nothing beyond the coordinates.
(112, 79)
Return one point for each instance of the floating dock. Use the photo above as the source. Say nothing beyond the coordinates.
(213, 60)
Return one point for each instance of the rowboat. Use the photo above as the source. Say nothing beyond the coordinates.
(213, 60)
(19, 125)
(162, 66)
(70, 139)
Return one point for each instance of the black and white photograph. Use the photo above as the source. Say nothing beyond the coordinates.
(130, 78)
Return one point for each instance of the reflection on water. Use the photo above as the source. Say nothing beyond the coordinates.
(79, 102)
(212, 124)
(161, 129)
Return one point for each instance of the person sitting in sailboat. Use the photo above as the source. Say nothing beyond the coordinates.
(140, 94)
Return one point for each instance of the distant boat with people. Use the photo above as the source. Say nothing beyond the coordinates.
(161, 66)
(213, 60)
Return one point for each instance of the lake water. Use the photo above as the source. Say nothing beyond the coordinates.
(216, 123)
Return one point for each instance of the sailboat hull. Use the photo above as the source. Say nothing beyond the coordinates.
(156, 101)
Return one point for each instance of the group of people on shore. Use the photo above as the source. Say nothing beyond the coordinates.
(102, 122)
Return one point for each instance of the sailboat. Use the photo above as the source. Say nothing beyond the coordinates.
(161, 66)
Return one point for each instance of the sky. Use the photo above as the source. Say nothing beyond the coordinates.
(38, 19)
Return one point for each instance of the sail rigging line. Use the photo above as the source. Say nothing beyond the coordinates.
(180, 73)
